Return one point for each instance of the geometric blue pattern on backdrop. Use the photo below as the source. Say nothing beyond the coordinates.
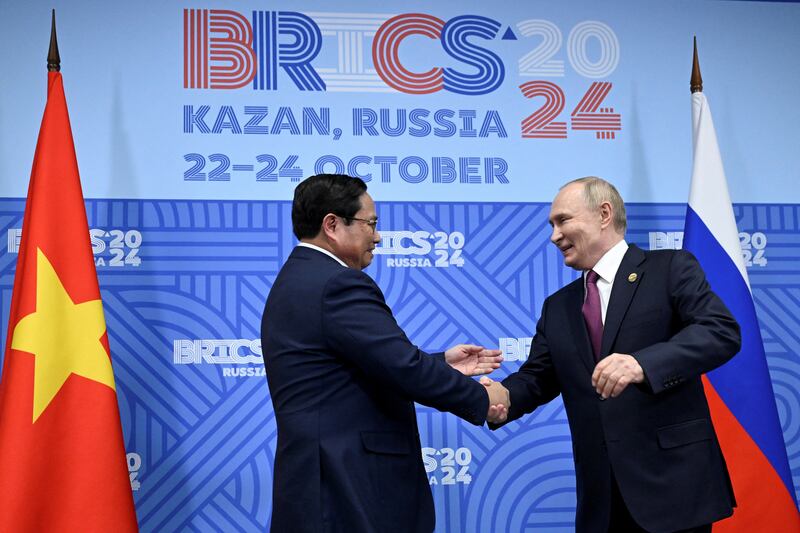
(183, 285)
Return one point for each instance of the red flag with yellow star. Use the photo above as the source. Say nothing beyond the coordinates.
(62, 458)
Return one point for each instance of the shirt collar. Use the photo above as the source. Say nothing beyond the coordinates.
(323, 250)
(608, 265)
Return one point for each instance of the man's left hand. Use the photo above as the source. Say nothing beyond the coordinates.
(473, 360)
(614, 373)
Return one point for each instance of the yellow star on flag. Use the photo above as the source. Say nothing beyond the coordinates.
(64, 338)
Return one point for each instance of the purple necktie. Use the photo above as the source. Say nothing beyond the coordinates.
(592, 313)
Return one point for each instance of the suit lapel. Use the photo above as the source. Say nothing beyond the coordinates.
(578, 326)
(627, 280)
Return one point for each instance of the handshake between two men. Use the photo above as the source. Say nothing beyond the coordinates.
(473, 360)
(656, 304)
(610, 377)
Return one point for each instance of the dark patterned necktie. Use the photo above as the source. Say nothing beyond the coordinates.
(592, 313)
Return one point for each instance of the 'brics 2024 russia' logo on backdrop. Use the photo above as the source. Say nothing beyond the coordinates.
(268, 50)
(224, 49)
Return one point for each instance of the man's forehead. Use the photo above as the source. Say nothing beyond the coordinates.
(556, 210)
(569, 200)
(367, 204)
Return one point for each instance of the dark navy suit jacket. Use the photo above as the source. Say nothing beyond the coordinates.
(343, 379)
(655, 437)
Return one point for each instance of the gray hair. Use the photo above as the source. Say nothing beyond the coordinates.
(597, 191)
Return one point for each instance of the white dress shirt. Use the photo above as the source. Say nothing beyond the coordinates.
(606, 269)
(323, 250)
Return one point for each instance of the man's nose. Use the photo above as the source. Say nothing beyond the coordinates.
(555, 236)
(376, 237)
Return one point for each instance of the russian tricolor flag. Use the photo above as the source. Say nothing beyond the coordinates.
(740, 392)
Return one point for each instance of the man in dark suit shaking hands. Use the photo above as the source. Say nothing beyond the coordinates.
(344, 378)
(625, 345)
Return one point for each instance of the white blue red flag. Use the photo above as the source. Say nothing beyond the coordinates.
(740, 392)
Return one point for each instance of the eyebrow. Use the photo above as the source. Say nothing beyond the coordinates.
(560, 214)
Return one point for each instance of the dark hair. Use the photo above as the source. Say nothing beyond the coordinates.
(319, 195)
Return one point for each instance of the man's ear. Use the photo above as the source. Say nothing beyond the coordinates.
(606, 214)
(329, 223)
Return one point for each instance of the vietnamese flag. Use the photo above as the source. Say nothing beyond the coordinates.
(62, 457)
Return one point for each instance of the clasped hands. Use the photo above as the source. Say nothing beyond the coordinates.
(499, 400)
(473, 360)
(610, 377)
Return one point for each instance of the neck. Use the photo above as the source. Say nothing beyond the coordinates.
(321, 242)
(324, 244)
(613, 241)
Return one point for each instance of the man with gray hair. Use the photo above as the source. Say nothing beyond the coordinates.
(625, 345)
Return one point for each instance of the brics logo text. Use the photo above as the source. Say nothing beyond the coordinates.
(515, 348)
(224, 49)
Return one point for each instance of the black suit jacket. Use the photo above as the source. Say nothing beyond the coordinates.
(655, 437)
(343, 379)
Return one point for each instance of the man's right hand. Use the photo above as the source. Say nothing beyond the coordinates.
(499, 400)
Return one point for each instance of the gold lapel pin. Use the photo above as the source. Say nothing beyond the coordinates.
(632, 277)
